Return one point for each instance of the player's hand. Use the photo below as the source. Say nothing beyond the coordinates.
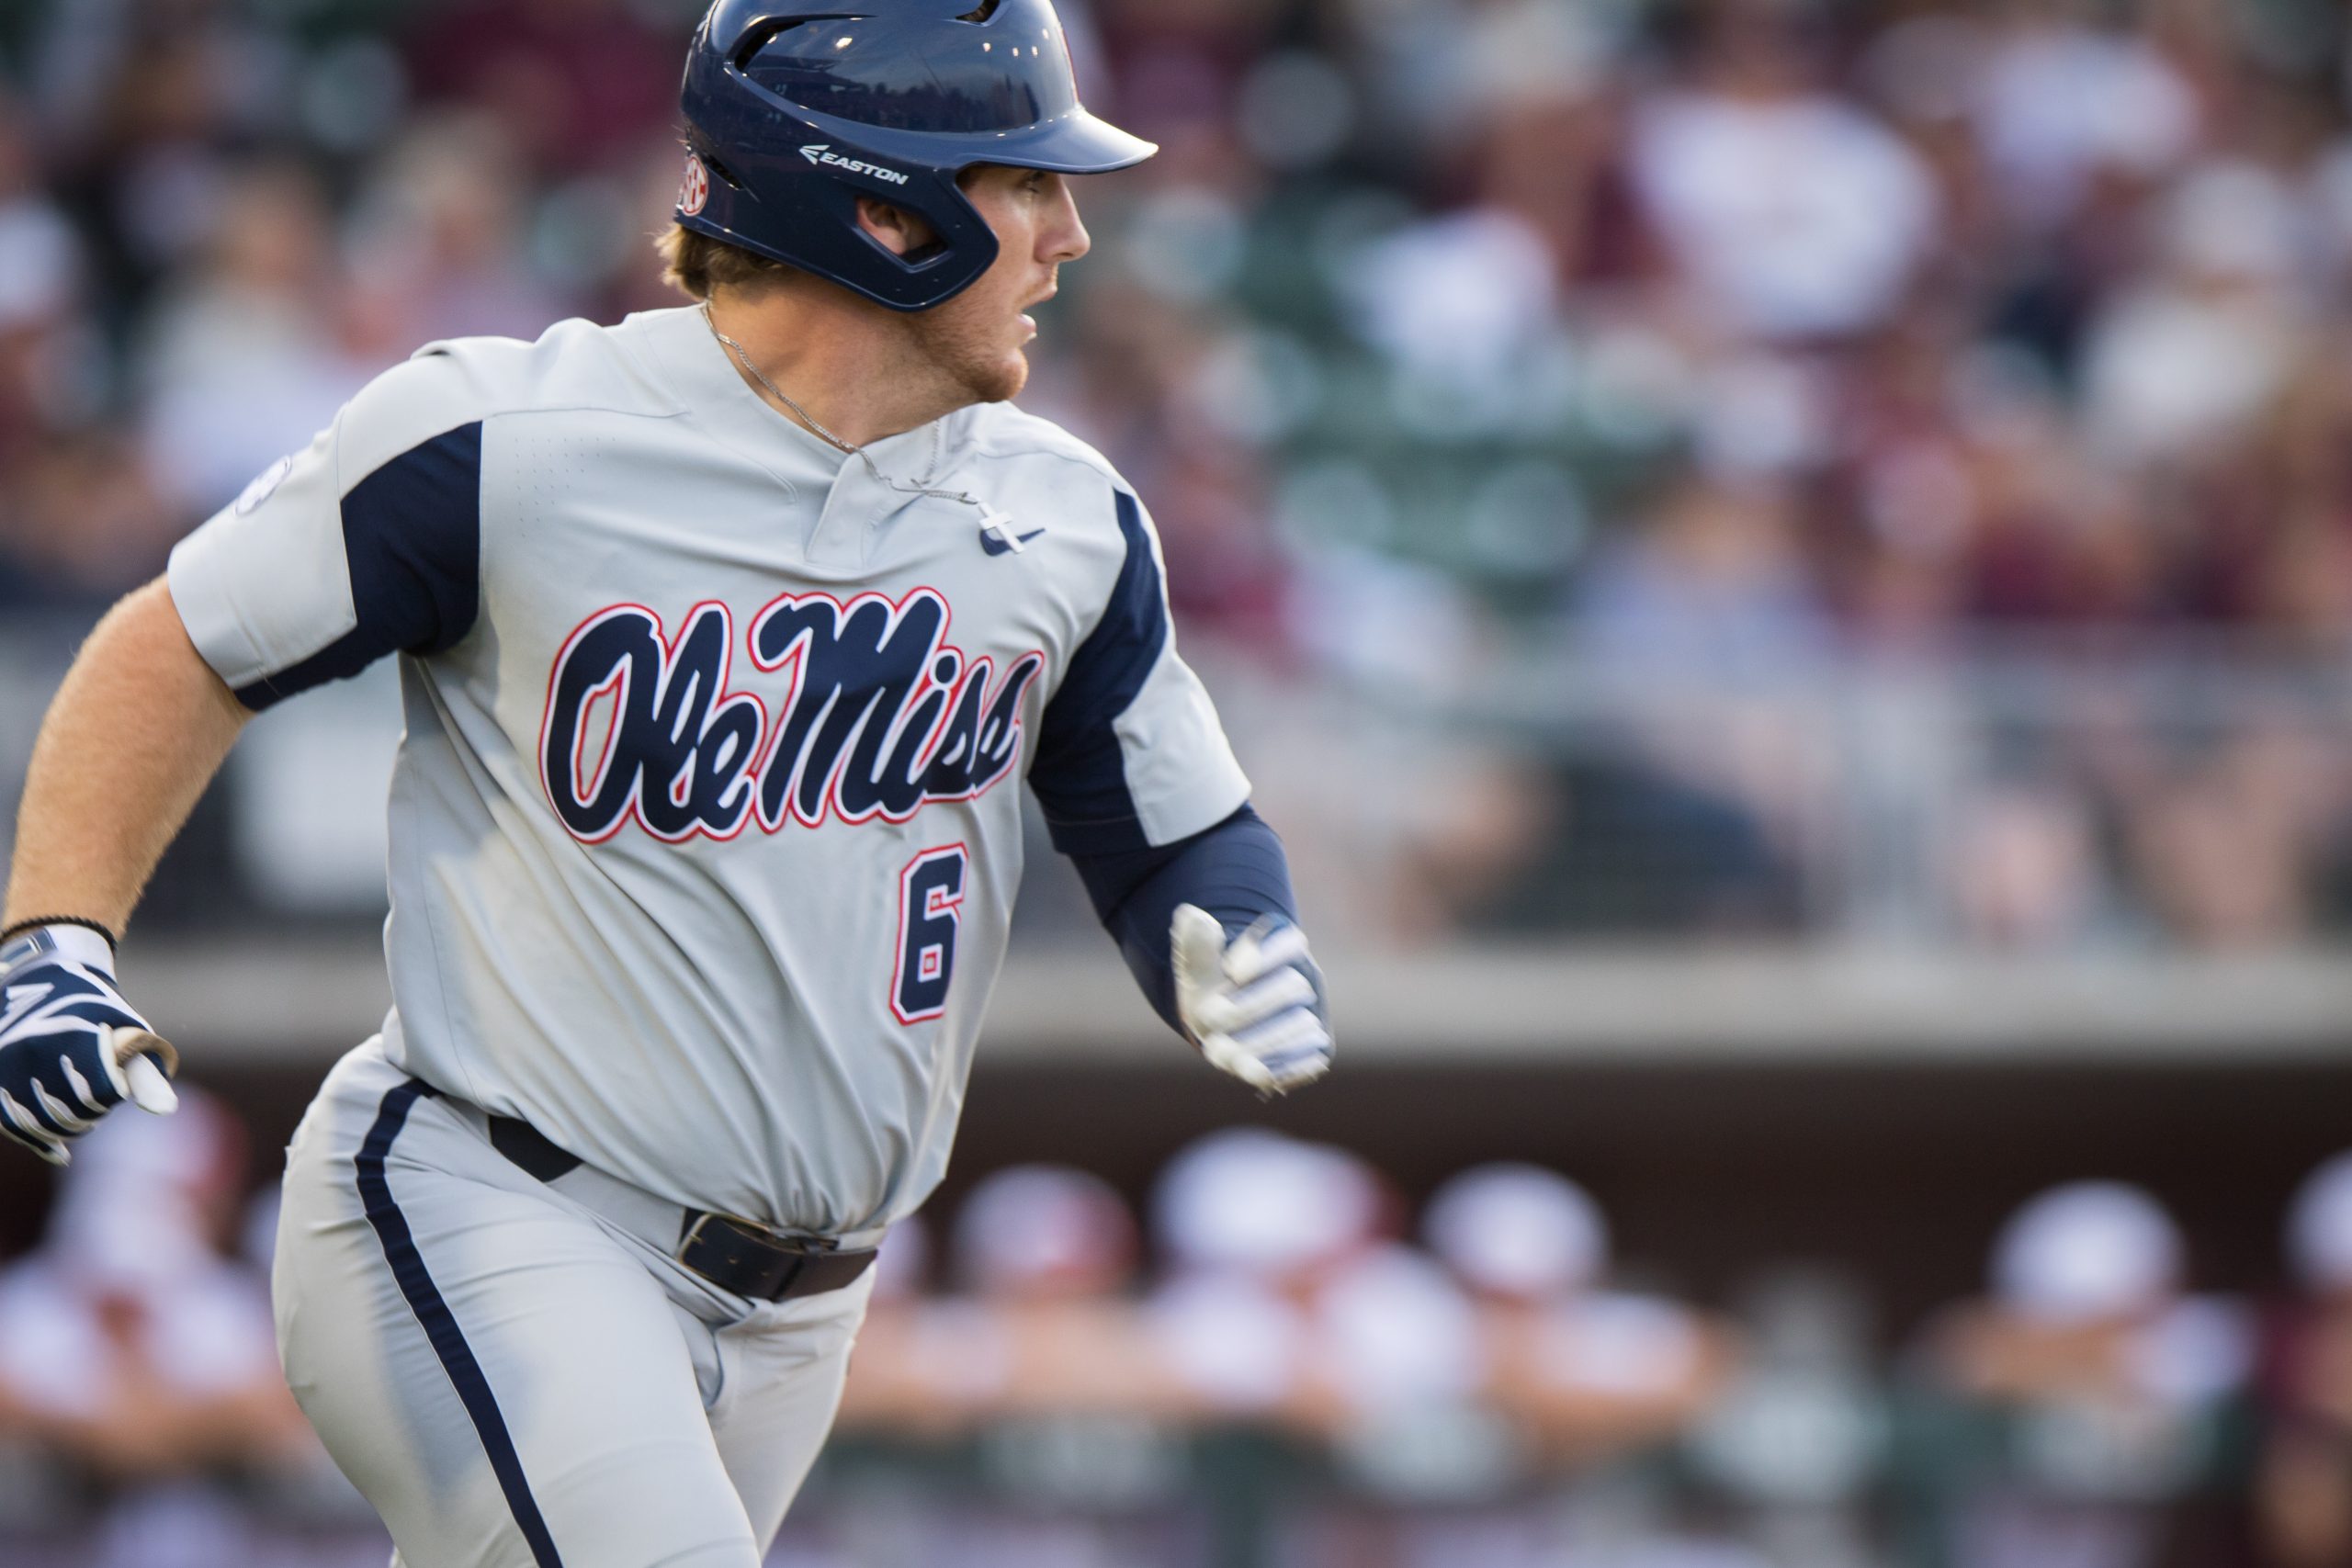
(71, 1048)
(1251, 1004)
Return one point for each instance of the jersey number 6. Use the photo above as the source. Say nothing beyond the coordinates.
(931, 914)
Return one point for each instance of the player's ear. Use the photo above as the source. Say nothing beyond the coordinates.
(895, 230)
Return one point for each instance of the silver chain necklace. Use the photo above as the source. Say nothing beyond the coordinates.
(990, 518)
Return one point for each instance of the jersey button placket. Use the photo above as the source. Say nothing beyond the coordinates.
(844, 526)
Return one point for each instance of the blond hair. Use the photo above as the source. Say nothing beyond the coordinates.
(696, 264)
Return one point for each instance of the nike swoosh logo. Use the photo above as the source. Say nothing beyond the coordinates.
(997, 542)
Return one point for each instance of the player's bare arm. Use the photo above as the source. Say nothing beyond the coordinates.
(136, 732)
(132, 740)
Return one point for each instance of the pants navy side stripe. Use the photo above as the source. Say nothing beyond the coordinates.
(440, 1325)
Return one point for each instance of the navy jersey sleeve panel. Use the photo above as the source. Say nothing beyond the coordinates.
(1236, 871)
(411, 534)
(1079, 773)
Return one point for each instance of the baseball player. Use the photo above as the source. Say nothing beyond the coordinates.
(725, 635)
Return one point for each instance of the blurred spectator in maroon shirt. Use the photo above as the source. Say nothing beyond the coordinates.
(580, 84)
(2303, 1490)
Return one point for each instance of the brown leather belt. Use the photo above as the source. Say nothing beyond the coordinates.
(733, 1254)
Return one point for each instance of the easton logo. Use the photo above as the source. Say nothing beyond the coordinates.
(822, 153)
(879, 715)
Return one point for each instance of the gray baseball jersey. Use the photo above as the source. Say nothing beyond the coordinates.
(705, 827)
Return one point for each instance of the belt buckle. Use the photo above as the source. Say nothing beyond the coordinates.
(776, 1258)
(775, 1239)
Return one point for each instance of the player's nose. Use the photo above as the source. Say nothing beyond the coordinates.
(1063, 237)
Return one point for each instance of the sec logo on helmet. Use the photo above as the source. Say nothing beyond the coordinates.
(694, 191)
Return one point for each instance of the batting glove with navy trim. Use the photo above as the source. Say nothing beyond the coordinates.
(71, 1047)
(1252, 1005)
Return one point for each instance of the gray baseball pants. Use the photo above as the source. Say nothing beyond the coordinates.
(516, 1380)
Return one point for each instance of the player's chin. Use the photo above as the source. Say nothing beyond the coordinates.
(1000, 379)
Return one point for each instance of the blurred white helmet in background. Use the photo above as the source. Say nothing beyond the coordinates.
(1262, 1204)
(1518, 1230)
(2319, 1227)
(1031, 1224)
(2084, 1251)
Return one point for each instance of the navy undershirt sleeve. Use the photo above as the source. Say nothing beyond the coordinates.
(1236, 871)
(1079, 773)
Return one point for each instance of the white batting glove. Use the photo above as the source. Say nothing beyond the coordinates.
(71, 1047)
(1250, 1004)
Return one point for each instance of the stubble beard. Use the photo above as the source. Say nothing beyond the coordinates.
(969, 358)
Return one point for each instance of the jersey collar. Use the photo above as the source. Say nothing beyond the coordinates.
(702, 377)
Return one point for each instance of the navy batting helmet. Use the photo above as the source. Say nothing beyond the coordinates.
(792, 115)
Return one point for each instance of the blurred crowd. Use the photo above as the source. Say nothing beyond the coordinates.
(1292, 1366)
(1669, 419)
(1485, 1379)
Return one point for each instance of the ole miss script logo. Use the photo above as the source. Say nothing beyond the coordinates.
(875, 714)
